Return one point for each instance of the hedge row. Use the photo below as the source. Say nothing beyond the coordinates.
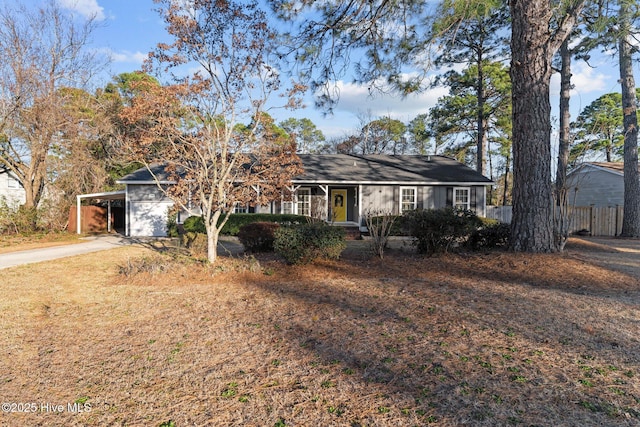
(195, 224)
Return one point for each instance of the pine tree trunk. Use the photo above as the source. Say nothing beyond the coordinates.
(481, 122)
(532, 224)
(631, 216)
(565, 123)
(561, 225)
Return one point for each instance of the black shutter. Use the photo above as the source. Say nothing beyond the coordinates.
(396, 199)
(473, 200)
(449, 197)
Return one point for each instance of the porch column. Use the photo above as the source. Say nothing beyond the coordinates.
(294, 199)
(359, 205)
(325, 188)
(109, 216)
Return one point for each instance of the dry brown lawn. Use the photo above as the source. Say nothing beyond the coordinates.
(492, 339)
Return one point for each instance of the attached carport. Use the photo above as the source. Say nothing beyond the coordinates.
(109, 197)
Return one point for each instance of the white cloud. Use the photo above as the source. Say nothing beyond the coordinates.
(586, 81)
(588, 84)
(356, 102)
(357, 99)
(125, 56)
(86, 8)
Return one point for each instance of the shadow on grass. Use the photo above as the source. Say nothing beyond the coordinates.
(461, 343)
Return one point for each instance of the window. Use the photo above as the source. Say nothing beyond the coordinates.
(287, 207)
(461, 198)
(304, 201)
(12, 182)
(408, 199)
(238, 208)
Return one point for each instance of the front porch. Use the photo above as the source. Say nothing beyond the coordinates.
(338, 205)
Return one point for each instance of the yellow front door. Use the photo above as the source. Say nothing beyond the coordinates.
(339, 205)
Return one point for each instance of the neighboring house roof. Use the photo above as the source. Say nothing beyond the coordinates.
(613, 167)
(353, 169)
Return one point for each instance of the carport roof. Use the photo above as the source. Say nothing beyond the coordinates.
(111, 195)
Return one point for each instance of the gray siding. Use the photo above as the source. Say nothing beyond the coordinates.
(591, 186)
(438, 197)
(385, 197)
(145, 193)
(378, 198)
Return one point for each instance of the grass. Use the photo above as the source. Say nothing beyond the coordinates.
(483, 340)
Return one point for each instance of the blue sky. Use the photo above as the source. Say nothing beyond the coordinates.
(131, 28)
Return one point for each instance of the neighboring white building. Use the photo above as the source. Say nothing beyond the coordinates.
(10, 189)
(597, 184)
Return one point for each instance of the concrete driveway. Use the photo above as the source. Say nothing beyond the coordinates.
(615, 253)
(91, 244)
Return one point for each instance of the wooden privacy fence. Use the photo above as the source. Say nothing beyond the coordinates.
(94, 219)
(596, 220)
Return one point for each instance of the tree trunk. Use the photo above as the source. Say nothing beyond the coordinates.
(506, 182)
(631, 216)
(213, 233)
(481, 122)
(212, 245)
(561, 213)
(532, 224)
(565, 123)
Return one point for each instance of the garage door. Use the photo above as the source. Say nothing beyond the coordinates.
(148, 219)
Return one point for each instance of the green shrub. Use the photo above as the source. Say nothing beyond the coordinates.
(194, 224)
(438, 230)
(232, 226)
(491, 236)
(302, 244)
(258, 236)
(172, 225)
(18, 219)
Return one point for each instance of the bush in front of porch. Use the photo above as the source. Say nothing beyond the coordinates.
(232, 227)
(302, 244)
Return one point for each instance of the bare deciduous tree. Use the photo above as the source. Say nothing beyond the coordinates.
(43, 51)
(209, 128)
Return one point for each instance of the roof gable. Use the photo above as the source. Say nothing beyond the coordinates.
(616, 168)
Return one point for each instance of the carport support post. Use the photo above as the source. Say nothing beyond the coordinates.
(109, 216)
(78, 220)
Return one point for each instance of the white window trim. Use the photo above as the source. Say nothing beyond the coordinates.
(306, 192)
(415, 198)
(12, 182)
(456, 190)
(238, 208)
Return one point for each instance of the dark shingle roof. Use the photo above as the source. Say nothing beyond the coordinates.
(353, 169)
(347, 168)
(143, 175)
